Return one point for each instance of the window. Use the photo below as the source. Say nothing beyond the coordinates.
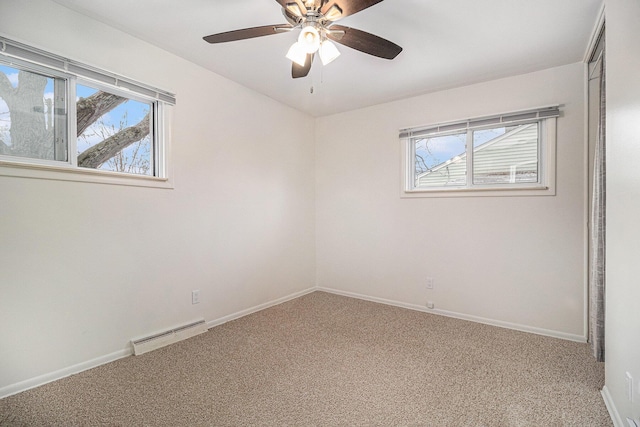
(77, 122)
(120, 139)
(32, 115)
(499, 155)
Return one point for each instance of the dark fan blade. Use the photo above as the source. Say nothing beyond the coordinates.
(296, 7)
(247, 33)
(364, 42)
(347, 7)
(298, 71)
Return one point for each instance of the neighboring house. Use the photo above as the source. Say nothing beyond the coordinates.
(511, 157)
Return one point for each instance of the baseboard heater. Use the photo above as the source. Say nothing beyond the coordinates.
(162, 339)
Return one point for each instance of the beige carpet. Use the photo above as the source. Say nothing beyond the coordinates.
(327, 360)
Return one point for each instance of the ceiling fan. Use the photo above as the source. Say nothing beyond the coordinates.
(315, 19)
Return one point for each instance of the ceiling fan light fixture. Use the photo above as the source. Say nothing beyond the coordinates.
(315, 21)
(295, 9)
(328, 52)
(297, 54)
(309, 39)
(333, 13)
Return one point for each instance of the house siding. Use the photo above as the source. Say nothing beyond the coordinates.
(494, 161)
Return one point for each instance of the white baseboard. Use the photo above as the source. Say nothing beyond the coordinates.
(239, 314)
(65, 372)
(75, 369)
(611, 407)
(62, 373)
(492, 322)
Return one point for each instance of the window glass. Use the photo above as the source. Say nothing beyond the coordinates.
(506, 155)
(115, 133)
(33, 115)
(64, 120)
(440, 161)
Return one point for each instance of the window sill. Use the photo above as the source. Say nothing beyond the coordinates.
(480, 192)
(62, 173)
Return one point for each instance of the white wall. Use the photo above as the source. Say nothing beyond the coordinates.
(518, 260)
(622, 334)
(86, 267)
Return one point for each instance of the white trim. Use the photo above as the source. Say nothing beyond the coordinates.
(69, 173)
(62, 373)
(595, 34)
(246, 312)
(593, 43)
(102, 360)
(587, 205)
(83, 366)
(462, 316)
(534, 190)
(611, 407)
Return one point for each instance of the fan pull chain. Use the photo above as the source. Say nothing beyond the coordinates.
(321, 81)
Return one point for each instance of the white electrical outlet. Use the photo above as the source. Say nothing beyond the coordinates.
(429, 282)
(430, 304)
(195, 297)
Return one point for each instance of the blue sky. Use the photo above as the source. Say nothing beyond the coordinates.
(129, 113)
(439, 149)
(135, 110)
(132, 110)
(126, 114)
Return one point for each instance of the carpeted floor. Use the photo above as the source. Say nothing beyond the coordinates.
(328, 360)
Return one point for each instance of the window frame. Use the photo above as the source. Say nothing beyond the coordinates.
(546, 185)
(48, 64)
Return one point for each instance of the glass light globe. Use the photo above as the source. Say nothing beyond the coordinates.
(297, 54)
(309, 39)
(328, 52)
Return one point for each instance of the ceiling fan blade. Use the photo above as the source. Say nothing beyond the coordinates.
(364, 42)
(345, 7)
(298, 71)
(247, 33)
(296, 7)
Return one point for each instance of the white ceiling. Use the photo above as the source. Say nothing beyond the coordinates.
(447, 43)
